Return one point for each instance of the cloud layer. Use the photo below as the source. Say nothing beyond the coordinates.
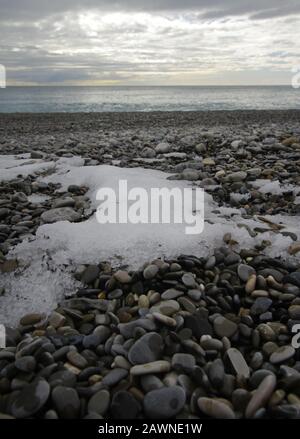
(135, 42)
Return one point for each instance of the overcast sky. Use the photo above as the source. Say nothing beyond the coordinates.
(149, 42)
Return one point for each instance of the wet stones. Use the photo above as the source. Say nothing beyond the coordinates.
(215, 408)
(198, 325)
(66, 402)
(237, 363)
(260, 306)
(90, 274)
(76, 359)
(154, 367)
(164, 403)
(294, 312)
(282, 354)
(189, 280)
(99, 402)
(224, 327)
(261, 395)
(31, 399)
(183, 363)
(114, 377)
(124, 406)
(293, 278)
(245, 271)
(166, 307)
(147, 349)
(150, 272)
(26, 363)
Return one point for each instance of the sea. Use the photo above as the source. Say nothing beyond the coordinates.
(120, 99)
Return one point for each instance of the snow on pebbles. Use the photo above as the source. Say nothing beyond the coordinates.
(47, 260)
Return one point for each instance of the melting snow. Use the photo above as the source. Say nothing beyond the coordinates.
(44, 279)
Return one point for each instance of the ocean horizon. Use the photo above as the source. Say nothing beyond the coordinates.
(51, 99)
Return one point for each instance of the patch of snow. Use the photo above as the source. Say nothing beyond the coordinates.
(13, 165)
(273, 187)
(45, 279)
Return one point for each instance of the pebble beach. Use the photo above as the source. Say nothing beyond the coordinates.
(194, 330)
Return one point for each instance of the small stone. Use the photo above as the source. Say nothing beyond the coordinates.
(64, 202)
(216, 373)
(237, 176)
(148, 153)
(102, 319)
(143, 301)
(124, 406)
(31, 399)
(31, 319)
(56, 320)
(198, 325)
(292, 278)
(90, 274)
(147, 349)
(165, 320)
(294, 248)
(200, 148)
(215, 408)
(224, 327)
(294, 312)
(99, 402)
(114, 376)
(171, 294)
(190, 175)
(189, 280)
(208, 161)
(66, 402)
(4, 212)
(150, 272)
(8, 266)
(251, 284)
(26, 364)
(260, 306)
(261, 395)
(74, 189)
(162, 148)
(211, 344)
(183, 363)
(164, 403)
(166, 307)
(238, 362)
(282, 354)
(60, 214)
(245, 271)
(122, 277)
(151, 368)
(77, 360)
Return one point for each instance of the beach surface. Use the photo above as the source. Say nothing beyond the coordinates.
(142, 321)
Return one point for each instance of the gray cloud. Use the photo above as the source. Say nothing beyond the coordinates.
(196, 41)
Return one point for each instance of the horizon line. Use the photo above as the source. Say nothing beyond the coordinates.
(150, 85)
